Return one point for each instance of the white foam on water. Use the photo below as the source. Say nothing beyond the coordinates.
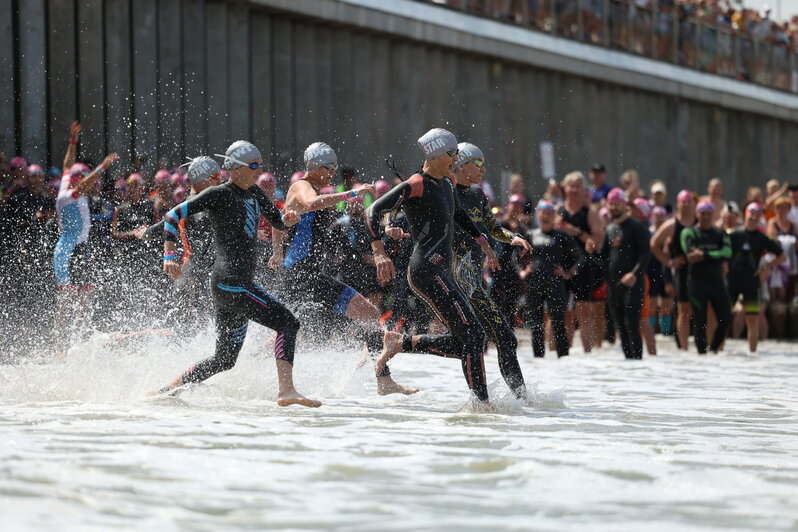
(675, 441)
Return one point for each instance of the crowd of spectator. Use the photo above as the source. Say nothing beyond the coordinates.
(713, 35)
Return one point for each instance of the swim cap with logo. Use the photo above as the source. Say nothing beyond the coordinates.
(468, 152)
(436, 142)
(240, 153)
(545, 205)
(319, 154)
(643, 206)
(684, 195)
(201, 169)
(705, 206)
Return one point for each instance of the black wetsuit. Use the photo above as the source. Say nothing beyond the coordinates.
(705, 282)
(234, 214)
(628, 250)
(468, 273)
(550, 250)
(680, 275)
(589, 276)
(432, 209)
(747, 248)
(310, 249)
(506, 289)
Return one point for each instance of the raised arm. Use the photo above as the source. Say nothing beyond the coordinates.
(85, 185)
(72, 146)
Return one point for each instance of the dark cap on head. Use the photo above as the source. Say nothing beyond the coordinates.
(598, 167)
(792, 188)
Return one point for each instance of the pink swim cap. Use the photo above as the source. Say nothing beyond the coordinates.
(659, 211)
(616, 195)
(162, 175)
(382, 186)
(684, 195)
(545, 205)
(179, 195)
(754, 206)
(297, 176)
(35, 169)
(266, 177)
(643, 206)
(705, 206)
(135, 178)
(517, 198)
(78, 168)
(19, 162)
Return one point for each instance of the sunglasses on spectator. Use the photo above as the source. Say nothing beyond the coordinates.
(452, 153)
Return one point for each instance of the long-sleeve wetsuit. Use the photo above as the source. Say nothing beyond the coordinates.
(628, 251)
(468, 273)
(550, 250)
(234, 214)
(705, 282)
(747, 249)
(432, 209)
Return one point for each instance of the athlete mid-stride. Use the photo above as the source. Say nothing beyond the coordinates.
(432, 209)
(306, 260)
(234, 210)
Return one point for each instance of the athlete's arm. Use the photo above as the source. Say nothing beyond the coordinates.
(644, 250)
(596, 236)
(72, 146)
(86, 184)
(657, 242)
(303, 198)
(725, 252)
(393, 199)
(201, 202)
(497, 232)
(270, 211)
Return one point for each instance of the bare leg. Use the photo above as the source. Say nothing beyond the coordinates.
(752, 322)
(287, 394)
(738, 322)
(648, 336)
(362, 310)
(599, 323)
(683, 324)
(569, 326)
(586, 325)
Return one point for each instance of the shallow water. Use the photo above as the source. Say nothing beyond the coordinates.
(672, 442)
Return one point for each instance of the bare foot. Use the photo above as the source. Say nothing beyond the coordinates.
(391, 345)
(293, 397)
(386, 386)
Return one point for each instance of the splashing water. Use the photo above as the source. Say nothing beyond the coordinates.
(674, 441)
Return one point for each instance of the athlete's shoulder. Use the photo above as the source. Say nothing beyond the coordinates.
(416, 184)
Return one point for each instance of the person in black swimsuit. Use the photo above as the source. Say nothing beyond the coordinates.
(306, 258)
(545, 277)
(234, 210)
(626, 242)
(748, 245)
(706, 248)
(666, 248)
(575, 218)
(432, 209)
(469, 170)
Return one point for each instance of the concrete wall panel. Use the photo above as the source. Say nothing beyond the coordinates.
(91, 79)
(62, 83)
(119, 118)
(33, 80)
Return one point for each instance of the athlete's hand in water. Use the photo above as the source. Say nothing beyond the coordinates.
(490, 257)
(522, 243)
(172, 269)
(290, 218)
(275, 262)
(397, 233)
(364, 189)
(386, 272)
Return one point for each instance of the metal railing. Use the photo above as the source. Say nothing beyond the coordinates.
(662, 33)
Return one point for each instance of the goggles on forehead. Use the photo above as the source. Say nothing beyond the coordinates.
(479, 162)
(251, 166)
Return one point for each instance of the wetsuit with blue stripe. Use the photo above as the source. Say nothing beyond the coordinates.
(72, 255)
(234, 214)
(432, 209)
(310, 247)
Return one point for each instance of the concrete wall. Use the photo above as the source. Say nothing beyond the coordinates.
(163, 79)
